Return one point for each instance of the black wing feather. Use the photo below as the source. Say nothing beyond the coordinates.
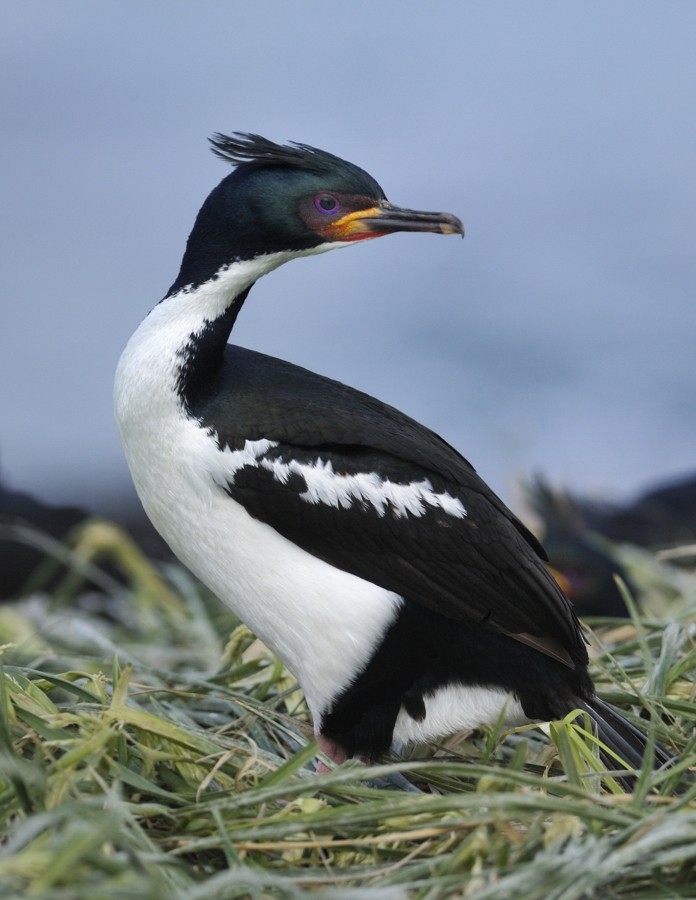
(484, 567)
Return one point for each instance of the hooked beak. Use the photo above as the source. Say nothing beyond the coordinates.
(386, 219)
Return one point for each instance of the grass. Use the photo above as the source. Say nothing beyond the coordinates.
(150, 747)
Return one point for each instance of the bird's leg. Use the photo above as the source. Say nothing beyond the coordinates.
(337, 755)
(331, 749)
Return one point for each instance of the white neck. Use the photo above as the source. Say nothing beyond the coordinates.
(171, 323)
(179, 315)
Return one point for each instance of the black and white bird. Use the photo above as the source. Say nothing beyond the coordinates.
(405, 597)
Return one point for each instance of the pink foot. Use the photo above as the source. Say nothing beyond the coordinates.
(331, 749)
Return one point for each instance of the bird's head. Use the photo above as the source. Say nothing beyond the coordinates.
(291, 198)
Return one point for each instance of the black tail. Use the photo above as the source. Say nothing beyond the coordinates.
(627, 741)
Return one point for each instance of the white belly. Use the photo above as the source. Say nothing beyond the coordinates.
(323, 623)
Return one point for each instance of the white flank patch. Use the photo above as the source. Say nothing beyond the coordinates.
(459, 708)
(342, 491)
(323, 623)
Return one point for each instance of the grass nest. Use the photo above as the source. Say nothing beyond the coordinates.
(150, 747)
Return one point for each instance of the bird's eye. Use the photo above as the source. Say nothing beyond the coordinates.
(326, 204)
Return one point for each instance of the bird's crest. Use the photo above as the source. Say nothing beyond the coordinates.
(241, 148)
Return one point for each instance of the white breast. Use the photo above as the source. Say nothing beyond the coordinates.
(323, 623)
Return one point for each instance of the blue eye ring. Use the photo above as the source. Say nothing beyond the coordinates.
(326, 204)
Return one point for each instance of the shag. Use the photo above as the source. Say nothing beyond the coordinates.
(405, 597)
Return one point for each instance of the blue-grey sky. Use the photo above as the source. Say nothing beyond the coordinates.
(559, 337)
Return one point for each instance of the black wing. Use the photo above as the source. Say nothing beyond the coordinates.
(480, 565)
